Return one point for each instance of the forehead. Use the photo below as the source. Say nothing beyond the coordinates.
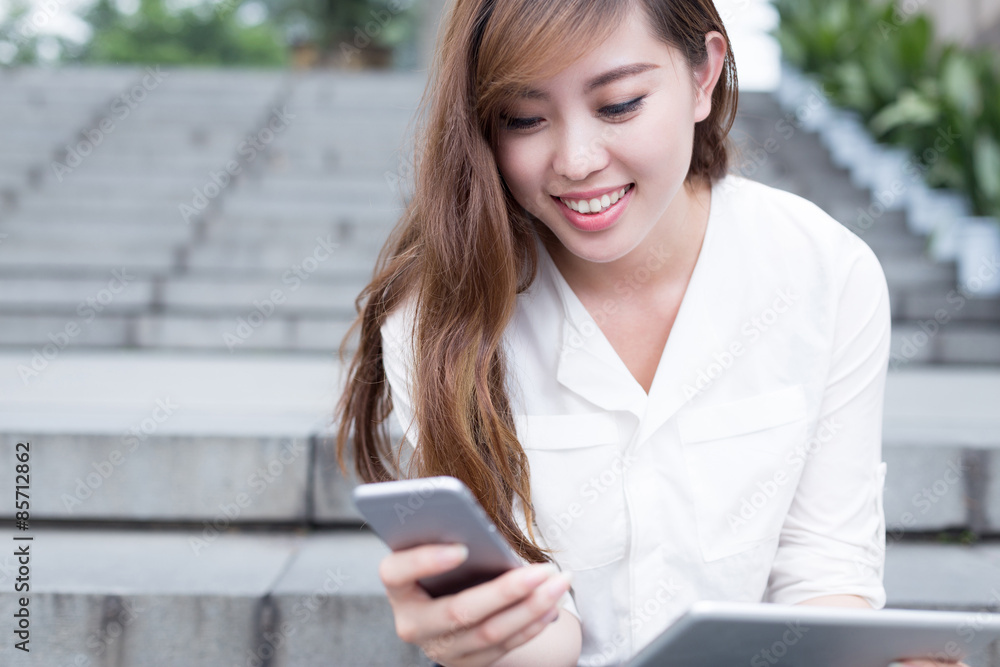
(631, 49)
(600, 80)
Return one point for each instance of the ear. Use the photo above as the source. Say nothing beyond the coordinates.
(707, 75)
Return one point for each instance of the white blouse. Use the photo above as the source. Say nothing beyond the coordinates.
(751, 471)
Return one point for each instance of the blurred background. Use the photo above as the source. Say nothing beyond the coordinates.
(193, 193)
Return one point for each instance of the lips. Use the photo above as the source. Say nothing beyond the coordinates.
(595, 222)
(596, 204)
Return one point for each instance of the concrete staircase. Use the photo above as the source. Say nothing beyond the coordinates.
(169, 313)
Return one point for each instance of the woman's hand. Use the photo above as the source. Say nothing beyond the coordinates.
(478, 625)
(926, 663)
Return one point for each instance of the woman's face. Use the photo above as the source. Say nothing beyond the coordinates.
(595, 129)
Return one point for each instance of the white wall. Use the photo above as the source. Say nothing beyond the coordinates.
(962, 21)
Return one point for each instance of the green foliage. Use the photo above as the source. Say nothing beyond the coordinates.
(208, 34)
(885, 65)
(18, 38)
(388, 23)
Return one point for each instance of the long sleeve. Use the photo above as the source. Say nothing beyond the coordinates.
(833, 538)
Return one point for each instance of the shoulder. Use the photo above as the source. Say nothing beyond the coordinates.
(771, 212)
(786, 230)
(400, 323)
(398, 330)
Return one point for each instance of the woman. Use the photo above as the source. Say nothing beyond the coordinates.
(662, 380)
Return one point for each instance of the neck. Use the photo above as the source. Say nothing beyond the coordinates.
(664, 258)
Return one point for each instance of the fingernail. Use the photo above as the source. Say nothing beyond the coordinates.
(453, 554)
(538, 573)
(558, 585)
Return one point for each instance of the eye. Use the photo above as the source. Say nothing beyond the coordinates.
(612, 111)
(520, 123)
(616, 110)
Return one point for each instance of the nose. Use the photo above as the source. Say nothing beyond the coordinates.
(580, 150)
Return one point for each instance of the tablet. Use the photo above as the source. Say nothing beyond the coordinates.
(724, 634)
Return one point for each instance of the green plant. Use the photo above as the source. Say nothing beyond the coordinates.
(201, 35)
(940, 102)
(386, 23)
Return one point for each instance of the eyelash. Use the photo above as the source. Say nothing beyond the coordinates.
(611, 111)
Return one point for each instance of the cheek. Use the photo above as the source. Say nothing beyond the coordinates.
(519, 172)
(660, 147)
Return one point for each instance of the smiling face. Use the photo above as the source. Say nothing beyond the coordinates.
(620, 118)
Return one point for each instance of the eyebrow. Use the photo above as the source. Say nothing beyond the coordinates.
(601, 80)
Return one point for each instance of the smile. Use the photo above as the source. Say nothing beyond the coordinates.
(610, 206)
(597, 204)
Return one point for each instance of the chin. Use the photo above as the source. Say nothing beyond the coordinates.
(597, 252)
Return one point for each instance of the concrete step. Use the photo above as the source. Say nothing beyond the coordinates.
(202, 598)
(236, 263)
(99, 260)
(127, 234)
(245, 332)
(135, 476)
(238, 414)
(241, 205)
(123, 292)
(312, 317)
(127, 209)
(291, 296)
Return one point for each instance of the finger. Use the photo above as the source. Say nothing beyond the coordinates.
(532, 630)
(400, 570)
(488, 656)
(475, 604)
(514, 625)
(447, 618)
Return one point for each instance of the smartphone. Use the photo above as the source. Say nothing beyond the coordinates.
(434, 510)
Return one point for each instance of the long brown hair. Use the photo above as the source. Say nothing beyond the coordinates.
(463, 248)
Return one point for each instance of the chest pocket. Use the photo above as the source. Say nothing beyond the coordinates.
(740, 458)
(577, 486)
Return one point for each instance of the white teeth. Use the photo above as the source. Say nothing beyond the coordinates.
(596, 205)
